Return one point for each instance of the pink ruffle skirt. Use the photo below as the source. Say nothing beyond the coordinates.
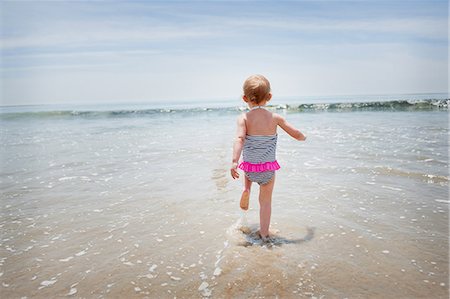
(260, 167)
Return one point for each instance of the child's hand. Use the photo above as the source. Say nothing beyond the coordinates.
(233, 171)
(301, 136)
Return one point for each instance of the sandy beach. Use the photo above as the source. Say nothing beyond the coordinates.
(141, 205)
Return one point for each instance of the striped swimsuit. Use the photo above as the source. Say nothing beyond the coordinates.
(259, 157)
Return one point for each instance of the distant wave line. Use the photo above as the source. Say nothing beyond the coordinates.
(395, 105)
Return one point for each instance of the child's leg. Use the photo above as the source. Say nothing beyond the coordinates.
(245, 197)
(247, 184)
(265, 207)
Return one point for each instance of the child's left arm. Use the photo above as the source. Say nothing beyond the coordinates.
(290, 129)
(238, 144)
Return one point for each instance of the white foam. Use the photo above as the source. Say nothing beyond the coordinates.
(218, 261)
(47, 283)
(441, 200)
(83, 252)
(72, 291)
(56, 237)
(124, 253)
(206, 292)
(391, 188)
(217, 271)
(203, 286)
(67, 178)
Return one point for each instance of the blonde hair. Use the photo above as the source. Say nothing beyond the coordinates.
(256, 88)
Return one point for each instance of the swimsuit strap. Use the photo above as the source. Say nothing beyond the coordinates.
(256, 107)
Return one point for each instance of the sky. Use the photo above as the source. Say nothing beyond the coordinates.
(59, 52)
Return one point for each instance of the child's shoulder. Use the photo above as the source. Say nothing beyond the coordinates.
(242, 118)
(277, 117)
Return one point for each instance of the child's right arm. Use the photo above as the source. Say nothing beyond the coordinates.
(288, 128)
(237, 146)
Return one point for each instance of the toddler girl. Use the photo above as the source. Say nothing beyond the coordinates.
(257, 138)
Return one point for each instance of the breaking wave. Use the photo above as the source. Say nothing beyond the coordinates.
(395, 105)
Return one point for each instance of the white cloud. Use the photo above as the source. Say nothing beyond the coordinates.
(95, 36)
(420, 27)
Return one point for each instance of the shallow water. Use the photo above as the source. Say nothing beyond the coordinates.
(144, 206)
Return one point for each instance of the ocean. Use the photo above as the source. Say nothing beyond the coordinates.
(136, 201)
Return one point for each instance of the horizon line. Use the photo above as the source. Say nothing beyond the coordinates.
(218, 100)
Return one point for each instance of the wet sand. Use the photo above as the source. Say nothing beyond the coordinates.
(107, 209)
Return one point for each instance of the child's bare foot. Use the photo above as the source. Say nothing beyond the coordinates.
(265, 239)
(245, 197)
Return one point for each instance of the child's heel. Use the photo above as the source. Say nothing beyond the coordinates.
(245, 197)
